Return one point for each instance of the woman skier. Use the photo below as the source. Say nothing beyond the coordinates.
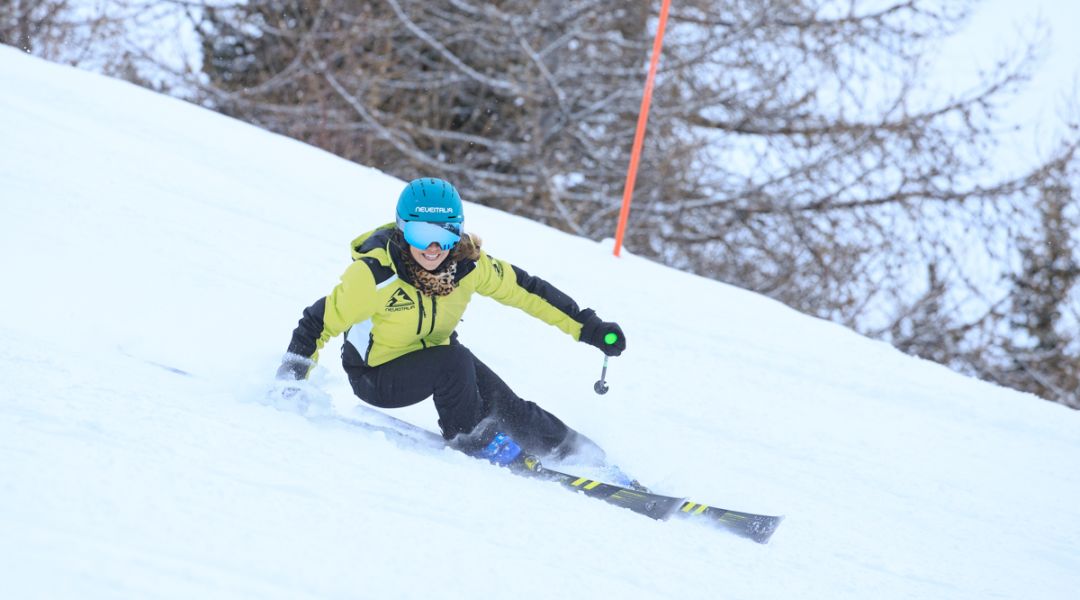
(398, 304)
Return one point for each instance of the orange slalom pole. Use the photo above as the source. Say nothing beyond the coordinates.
(639, 135)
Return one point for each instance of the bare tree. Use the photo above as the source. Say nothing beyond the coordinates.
(514, 100)
(1039, 351)
(57, 30)
(794, 148)
(31, 24)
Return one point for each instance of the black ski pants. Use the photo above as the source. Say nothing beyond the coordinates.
(471, 400)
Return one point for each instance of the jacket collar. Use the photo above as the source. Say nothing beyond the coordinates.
(397, 260)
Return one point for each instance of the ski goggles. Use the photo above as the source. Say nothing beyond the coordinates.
(421, 234)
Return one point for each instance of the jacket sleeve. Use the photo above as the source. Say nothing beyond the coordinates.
(512, 286)
(352, 301)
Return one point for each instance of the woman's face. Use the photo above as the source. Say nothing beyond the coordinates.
(431, 258)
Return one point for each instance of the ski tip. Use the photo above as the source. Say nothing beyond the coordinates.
(761, 530)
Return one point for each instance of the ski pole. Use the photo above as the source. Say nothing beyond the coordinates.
(601, 386)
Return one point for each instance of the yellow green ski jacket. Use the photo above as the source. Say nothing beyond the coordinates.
(384, 316)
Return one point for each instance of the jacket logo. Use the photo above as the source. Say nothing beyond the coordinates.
(399, 300)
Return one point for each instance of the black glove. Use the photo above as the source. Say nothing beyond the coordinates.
(294, 367)
(293, 393)
(606, 336)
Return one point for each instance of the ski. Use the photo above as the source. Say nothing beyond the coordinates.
(644, 503)
(756, 527)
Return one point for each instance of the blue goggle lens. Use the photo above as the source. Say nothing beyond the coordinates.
(421, 234)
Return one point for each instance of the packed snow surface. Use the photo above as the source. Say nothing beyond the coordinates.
(156, 257)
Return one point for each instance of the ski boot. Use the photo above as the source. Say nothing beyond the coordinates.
(502, 451)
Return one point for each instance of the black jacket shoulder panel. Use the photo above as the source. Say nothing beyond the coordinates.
(379, 271)
(377, 240)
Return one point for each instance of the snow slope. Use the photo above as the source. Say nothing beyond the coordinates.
(156, 256)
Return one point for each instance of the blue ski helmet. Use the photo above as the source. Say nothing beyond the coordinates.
(429, 211)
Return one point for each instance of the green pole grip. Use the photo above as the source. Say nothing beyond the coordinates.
(611, 338)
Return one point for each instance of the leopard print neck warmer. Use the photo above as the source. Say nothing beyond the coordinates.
(439, 282)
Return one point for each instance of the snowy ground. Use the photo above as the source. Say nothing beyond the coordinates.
(156, 257)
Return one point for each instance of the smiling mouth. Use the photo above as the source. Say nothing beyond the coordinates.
(429, 256)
